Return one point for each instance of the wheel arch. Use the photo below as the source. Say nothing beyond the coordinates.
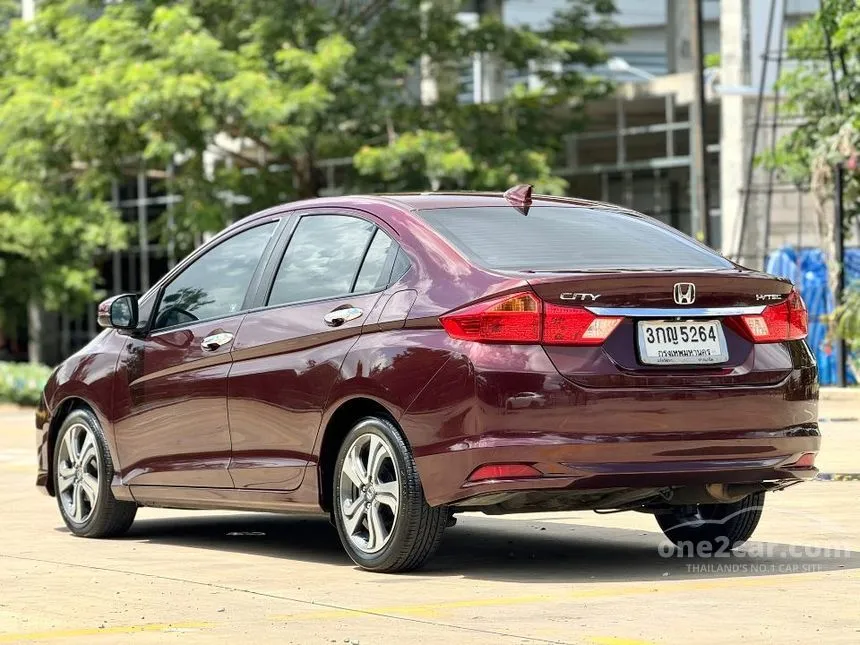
(341, 421)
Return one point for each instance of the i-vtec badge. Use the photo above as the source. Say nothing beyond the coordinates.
(767, 296)
(587, 297)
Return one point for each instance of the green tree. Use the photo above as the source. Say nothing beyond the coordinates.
(50, 227)
(822, 95)
(92, 91)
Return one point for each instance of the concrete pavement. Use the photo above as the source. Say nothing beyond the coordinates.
(570, 577)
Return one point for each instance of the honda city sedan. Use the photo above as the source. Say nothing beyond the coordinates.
(394, 360)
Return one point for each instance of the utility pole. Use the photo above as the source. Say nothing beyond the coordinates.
(840, 351)
(838, 234)
(699, 173)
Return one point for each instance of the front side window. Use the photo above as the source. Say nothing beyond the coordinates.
(322, 259)
(216, 283)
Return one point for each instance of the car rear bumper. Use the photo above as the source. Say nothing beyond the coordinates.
(589, 439)
(577, 466)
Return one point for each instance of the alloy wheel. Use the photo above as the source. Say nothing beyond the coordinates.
(78, 473)
(369, 494)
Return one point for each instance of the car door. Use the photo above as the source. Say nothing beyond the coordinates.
(288, 355)
(172, 427)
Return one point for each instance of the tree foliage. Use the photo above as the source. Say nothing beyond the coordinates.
(822, 95)
(242, 100)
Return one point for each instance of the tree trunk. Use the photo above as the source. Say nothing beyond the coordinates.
(309, 178)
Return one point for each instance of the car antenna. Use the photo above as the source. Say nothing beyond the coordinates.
(520, 197)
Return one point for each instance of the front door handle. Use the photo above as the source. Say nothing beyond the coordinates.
(339, 316)
(213, 342)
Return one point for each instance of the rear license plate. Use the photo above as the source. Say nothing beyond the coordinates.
(689, 342)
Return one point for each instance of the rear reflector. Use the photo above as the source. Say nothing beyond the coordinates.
(503, 471)
(806, 460)
(524, 318)
(787, 320)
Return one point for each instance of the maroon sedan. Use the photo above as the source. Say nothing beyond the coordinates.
(394, 360)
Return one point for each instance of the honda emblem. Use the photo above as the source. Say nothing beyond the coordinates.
(685, 293)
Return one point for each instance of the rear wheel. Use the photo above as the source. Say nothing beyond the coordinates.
(383, 520)
(719, 526)
(83, 471)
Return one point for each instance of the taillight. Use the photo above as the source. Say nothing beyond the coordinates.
(524, 318)
(511, 319)
(576, 326)
(788, 320)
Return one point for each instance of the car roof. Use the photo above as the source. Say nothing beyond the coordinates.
(434, 200)
(427, 201)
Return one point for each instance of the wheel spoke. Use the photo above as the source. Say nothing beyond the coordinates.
(90, 487)
(71, 448)
(354, 469)
(65, 477)
(375, 455)
(88, 449)
(353, 513)
(78, 502)
(376, 533)
(388, 493)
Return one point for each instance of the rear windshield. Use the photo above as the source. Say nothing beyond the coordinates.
(566, 238)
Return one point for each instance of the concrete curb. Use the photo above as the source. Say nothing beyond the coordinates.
(843, 394)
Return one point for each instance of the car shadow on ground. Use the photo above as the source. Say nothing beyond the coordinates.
(500, 549)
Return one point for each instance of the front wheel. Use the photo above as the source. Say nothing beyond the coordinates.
(83, 471)
(719, 526)
(383, 520)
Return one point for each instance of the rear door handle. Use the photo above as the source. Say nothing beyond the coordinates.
(339, 316)
(213, 342)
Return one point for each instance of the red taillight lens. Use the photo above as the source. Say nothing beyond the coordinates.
(511, 319)
(788, 320)
(523, 318)
(806, 460)
(503, 471)
(575, 326)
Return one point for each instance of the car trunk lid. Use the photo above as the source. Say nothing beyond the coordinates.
(682, 302)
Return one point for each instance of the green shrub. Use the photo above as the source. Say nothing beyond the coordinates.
(22, 383)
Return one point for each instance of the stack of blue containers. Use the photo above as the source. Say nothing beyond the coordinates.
(807, 270)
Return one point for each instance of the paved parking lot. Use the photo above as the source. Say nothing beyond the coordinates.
(201, 577)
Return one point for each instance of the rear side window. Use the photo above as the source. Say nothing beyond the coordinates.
(567, 238)
(376, 268)
(322, 258)
(331, 256)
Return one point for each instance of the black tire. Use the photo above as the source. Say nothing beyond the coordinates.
(721, 526)
(108, 517)
(417, 528)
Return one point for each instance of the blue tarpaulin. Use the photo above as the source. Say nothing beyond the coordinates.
(808, 272)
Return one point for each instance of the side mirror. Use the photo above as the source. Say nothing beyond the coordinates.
(119, 312)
